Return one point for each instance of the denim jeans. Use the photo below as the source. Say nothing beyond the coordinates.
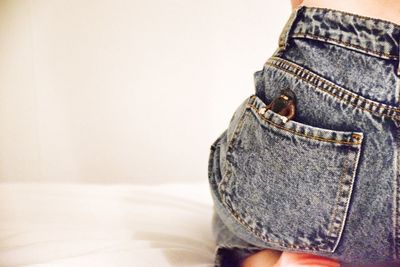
(325, 182)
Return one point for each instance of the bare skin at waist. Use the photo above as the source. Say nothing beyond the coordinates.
(381, 9)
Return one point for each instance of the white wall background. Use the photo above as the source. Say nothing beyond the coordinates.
(125, 91)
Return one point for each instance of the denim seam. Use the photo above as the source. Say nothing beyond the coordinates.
(237, 128)
(217, 142)
(274, 61)
(240, 216)
(347, 198)
(353, 178)
(398, 60)
(282, 244)
(286, 63)
(304, 135)
(397, 87)
(353, 15)
(229, 145)
(339, 193)
(346, 44)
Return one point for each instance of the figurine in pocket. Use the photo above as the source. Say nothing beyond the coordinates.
(284, 104)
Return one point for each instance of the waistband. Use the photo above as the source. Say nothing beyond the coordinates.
(372, 36)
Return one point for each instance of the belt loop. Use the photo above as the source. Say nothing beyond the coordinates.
(284, 36)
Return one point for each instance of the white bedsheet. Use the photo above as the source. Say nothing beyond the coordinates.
(105, 225)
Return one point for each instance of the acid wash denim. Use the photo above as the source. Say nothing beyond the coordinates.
(325, 182)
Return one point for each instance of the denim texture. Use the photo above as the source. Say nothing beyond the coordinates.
(327, 181)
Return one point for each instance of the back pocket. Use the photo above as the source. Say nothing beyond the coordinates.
(287, 182)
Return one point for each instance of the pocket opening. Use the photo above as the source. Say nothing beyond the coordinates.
(301, 129)
(288, 182)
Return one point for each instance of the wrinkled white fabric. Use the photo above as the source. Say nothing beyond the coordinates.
(105, 225)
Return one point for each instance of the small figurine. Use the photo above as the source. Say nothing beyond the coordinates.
(284, 104)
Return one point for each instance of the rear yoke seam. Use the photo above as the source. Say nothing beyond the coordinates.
(284, 65)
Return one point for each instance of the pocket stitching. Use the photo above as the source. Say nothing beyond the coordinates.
(238, 127)
(282, 244)
(301, 134)
(354, 168)
(230, 143)
(240, 217)
(337, 200)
